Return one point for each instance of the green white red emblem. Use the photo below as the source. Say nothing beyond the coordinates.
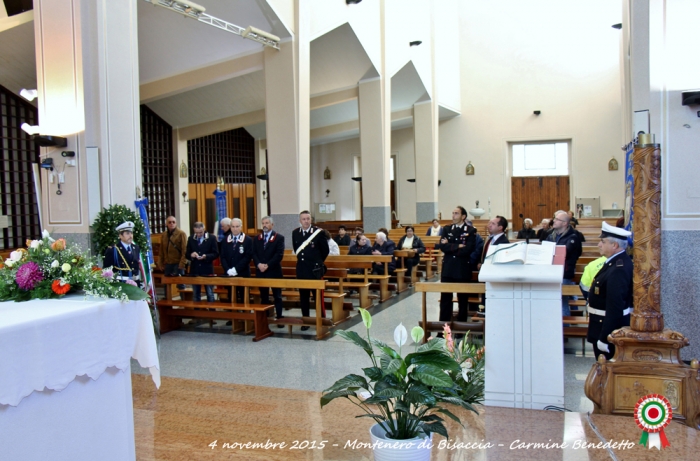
(652, 414)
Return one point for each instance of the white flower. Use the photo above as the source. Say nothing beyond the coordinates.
(35, 244)
(466, 368)
(400, 335)
(54, 264)
(65, 267)
(45, 234)
(9, 262)
(15, 256)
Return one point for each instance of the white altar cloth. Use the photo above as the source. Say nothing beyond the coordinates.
(65, 377)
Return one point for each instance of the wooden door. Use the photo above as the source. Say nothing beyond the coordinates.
(538, 197)
(240, 202)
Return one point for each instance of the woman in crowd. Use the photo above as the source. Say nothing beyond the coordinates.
(527, 232)
(360, 248)
(435, 230)
(410, 241)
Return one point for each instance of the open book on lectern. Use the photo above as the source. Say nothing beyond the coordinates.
(522, 253)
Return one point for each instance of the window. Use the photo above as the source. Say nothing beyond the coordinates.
(544, 159)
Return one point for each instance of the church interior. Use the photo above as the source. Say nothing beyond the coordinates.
(368, 113)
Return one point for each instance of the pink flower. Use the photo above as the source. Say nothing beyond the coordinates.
(107, 273)
(28, 276)
(131, 282)
(448, 338)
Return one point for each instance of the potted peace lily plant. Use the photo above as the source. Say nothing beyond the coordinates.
(406, 396)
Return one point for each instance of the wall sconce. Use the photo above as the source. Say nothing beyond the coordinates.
(470, 168)
(264, 194)
(183, 170)
(328, 191)
(184, 197)
(411, 180)
(415, 43)
(357, 178)
(43, 140)
(262, 177)
(612, 164)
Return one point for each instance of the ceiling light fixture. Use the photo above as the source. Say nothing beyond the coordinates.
(197, 12)
(29, 95)
(415, 43)
(43, 140)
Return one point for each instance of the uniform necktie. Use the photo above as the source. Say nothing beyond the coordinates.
(267, 236)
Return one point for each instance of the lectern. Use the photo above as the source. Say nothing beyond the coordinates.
(523, 331)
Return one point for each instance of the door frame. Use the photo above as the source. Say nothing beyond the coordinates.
(508, 192)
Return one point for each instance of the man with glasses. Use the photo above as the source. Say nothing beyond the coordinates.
(565, 235)
(171, 256)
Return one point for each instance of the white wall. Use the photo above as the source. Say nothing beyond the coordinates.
(561, 58)
(338, 156)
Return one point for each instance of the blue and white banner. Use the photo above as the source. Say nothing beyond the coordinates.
(629, 191)
(141, 205)
(220, 210)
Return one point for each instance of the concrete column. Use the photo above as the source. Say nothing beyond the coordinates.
(182, 208)
(425, 132)
(87, 77)
(287, 114)
(375, 150)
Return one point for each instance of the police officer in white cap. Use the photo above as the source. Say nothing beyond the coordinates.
(124, 256)
(610, 297)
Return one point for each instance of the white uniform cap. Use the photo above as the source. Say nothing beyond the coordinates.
(125, 226)
(615, 232)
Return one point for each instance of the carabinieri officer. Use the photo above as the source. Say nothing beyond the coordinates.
(610, 297)
(124, 256)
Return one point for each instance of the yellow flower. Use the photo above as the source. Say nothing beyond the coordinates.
(65, 267)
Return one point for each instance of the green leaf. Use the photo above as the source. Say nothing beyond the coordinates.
(134, 293)
(371, 415)
(394, 366)
(390, 392)
(377, 400)
(459, 402)
(435, 344)
(373, 373)
(355, 338)
(420, 395)
(385, 349)
(366, 318)
(447, 412)
(327, 398)
(349, 381)
(436, 427)
(433, 358)
(417, 334)
(432, 376)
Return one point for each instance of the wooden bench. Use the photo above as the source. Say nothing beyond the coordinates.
(480, 289)
(239, 310)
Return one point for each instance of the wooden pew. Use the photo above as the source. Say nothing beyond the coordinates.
(477, 324)
(240, 311)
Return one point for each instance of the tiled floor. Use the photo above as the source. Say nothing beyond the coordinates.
(224, 387)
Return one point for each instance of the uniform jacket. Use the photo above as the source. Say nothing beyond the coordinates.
(572, 241)
(236, 252)
(209, 248)
(310, 259)
(387, 248)
(270, 254)
(456, 262)
(611, 291)
(172, 248)
(123, 263)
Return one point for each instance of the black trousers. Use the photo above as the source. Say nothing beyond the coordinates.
(276, 294)
(410, 264)
(305, 301)
(446, 305)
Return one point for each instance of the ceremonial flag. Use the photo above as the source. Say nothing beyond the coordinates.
(220, 211)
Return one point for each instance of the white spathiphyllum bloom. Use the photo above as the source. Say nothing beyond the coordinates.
(15, 256)
(466, 368)
(54, 264)
(400, 335)
(35, 244)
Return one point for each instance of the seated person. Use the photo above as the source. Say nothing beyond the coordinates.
(410, 241)
(435, 230)
(545, 229)
(383, 246)
(342, 238)
(358, 231)
(527, 232)
(360, 248)
(333, 249)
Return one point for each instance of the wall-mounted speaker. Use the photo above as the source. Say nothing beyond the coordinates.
(690, 98)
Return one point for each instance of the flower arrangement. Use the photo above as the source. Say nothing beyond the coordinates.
(49, 268)
(471, 359)
(406, 394)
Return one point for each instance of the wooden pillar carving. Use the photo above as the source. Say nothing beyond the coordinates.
(647, 240)
(647, 356)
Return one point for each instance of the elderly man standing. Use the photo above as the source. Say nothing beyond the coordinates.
(610, 298)
(565, 235)
(236, 251)
(202, 250)
(171, 256)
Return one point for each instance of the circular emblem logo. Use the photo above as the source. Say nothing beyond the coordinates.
(653, 413)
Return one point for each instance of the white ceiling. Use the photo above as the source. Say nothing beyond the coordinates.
(170, 43)
(234, 96)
